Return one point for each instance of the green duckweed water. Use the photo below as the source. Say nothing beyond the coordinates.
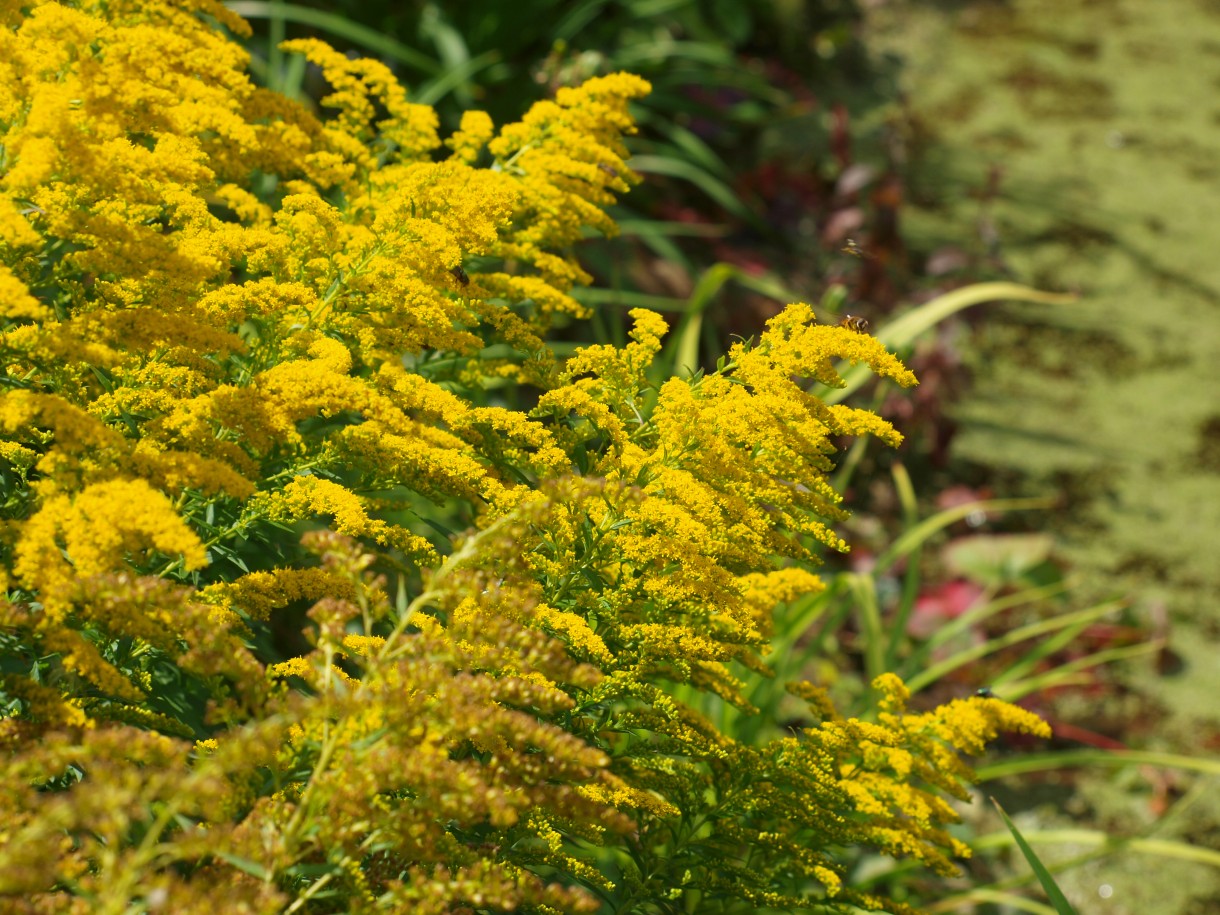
(1103, 119)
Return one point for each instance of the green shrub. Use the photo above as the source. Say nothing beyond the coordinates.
(255, 366)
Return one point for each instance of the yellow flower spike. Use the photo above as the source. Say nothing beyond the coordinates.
(306, 496)
(894, 693)
(99, 528)
(358, 86)
(207, 357)
(15, 228)
(258, 594)
(473, 134)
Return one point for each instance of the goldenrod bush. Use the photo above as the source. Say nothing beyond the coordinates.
(252, 358)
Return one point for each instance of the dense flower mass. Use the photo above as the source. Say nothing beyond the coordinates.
(296, 605)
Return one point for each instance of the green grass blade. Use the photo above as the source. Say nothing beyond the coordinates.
(1058, 900)
(704, 180)
(903, 331)
(911, 577)
(642, 228)
(980, 895)
(686, 144)
(916, 536)
(864, 590)
(626, 298)
(576, 18)
(681, 352)
(984, 611)
(433, 90)
(374, 41)
(906, 328)
(669, 51)
(1070, 672)
(1040, 652)
(794, 620)
(1062, 759)
(1092, 838)
(1015, 637)
(768, 285)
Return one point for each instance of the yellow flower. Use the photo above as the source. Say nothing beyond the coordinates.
(103, 528)
(475, 130)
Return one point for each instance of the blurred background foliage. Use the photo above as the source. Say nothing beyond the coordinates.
(1050, 527)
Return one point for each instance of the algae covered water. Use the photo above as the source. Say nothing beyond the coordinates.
(1079, 145)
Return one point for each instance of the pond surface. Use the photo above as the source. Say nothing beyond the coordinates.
(1097, 125)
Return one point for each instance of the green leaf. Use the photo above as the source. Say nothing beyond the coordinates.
(733, 17)
(903, 331)
(624, 298)
(982, 894)
(432, 91)
(682, 350)
(1058, 900)
(996, 560)
(714, 187)
(864, 590)
(1062, 759)
(253, 868)
(1070, 672)
(1015, 637)
(916, 536)
(374, 41)
(576, 18)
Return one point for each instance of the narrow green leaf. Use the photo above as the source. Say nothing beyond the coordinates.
(625, 298)
(864, 589)
(667, 50)
(911, 577)
(374, 41)
(433, 90)
(971, 899)
(1108, 844)
(1062, 759)
(905, 329)
(984, 611)
(643, 228)
(1070, 672)
(1015, 637)
(1058, 900)
(685, 170)
(682, 350)
(916, 536)
(576, 18)
(253, 868)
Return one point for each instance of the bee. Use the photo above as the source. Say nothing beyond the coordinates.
(985, 693)
(856, 323)
(608, 169)
(460, 275)
(853, 248)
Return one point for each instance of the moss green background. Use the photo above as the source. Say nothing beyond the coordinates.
(1104, 117)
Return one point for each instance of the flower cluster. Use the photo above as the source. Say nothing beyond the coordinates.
(249, 403)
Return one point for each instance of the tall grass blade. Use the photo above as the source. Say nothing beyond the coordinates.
(374, 41)
(903, 331)
(1070, 672)
(916, 536)
(1058, 900)
(1108, 844)
(973, 898)
(1062, 759)
(712, 186)
(1015, 637)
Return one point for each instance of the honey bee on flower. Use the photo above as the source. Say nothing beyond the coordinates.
(856, 323)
